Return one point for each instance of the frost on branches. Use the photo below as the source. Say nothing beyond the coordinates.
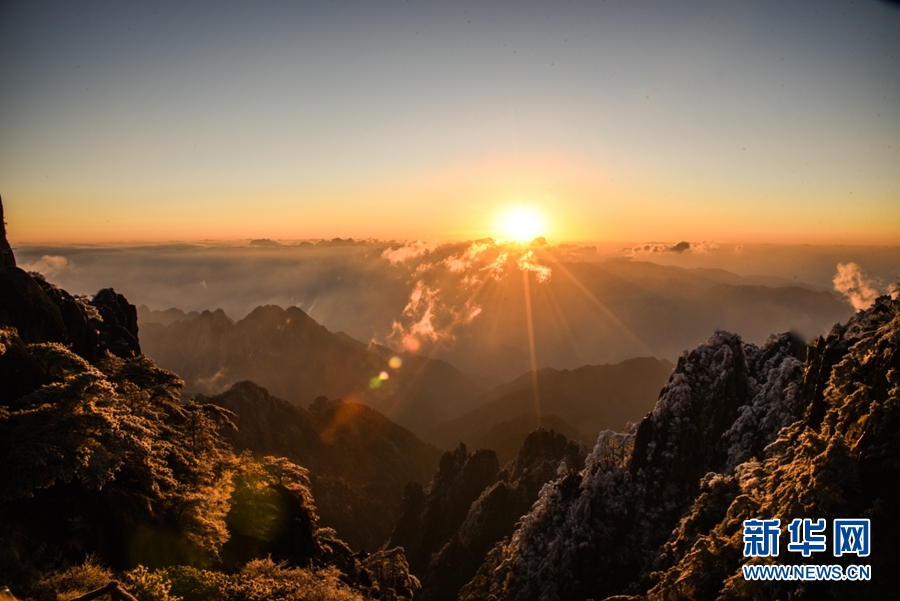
(739, 432)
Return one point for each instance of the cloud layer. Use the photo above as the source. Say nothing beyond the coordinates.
(860, 290)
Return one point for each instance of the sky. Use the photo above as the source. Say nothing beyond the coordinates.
(740, 122)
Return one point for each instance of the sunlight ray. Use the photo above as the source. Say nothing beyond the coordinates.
(634, 338)
(529, 321)
(561, 323)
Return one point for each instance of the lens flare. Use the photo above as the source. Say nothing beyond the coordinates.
(411, 343)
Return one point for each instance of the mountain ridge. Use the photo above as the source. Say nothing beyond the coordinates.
(295, 357)
(595, 397)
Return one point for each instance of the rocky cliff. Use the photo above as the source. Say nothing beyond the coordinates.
(739, 432)
(470, 505)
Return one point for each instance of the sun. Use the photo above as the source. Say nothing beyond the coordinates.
(522, 224)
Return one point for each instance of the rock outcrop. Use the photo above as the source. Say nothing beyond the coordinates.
(429, 518)
(7, 259)
(41, 312)
(740, 432)
(494, 514)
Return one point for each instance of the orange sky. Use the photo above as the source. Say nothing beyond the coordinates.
(461, 203)
(751, 122)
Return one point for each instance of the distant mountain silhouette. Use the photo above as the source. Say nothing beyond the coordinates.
(507, 437)
(592, 313)
(288, 353)
(359, 461)
(431, 515)
(146, 315)
(595, 397)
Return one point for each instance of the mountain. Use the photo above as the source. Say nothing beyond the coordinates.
(507, 437)
(112, 481)
(604, 312)
(359, 461)
(146, 315)
(740, 432)
(448, 529)
(290, 354)
(465, 301)
(429, 517)
(595, 397)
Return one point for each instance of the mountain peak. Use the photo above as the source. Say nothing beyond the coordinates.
(7, 259)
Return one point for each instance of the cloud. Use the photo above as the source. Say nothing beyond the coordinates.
(684, 246)
(443, 287)
(860, 290)
(215, 383)
(48, 266)
(573, 253)
(497, 267)
(528, 262)
(410, 250)
(707, 246)
(463, 262)
(421, 309)
(456, 264)
(473, 310)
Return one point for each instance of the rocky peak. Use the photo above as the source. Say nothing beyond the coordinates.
(42, 312)
(430, 519)
(7, 259)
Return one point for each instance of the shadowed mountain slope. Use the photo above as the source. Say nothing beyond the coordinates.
(593, 397)
(290, 354)
(359, 461)
(461, 549)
